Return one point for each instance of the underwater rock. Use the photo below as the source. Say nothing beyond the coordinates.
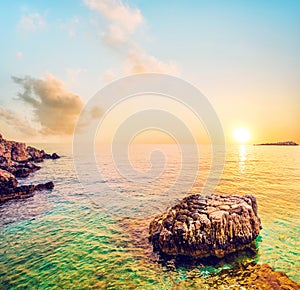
(242, 276)
(256, 276)
(203, 226)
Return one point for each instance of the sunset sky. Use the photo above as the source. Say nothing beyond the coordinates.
(244, 56)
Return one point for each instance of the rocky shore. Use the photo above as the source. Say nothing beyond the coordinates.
(19, 160)
(242, 276)
(206, 226)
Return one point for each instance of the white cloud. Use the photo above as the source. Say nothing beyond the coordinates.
(19, 54)
(122, 22)
(32, 22)
(108, 76)
(139, 61)
(126, 18)
(17, 122)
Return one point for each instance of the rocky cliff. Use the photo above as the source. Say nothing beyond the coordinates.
(18, 160)
(203, 226)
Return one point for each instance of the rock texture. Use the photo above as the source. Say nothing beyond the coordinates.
(23, 191)
(7, 179)
(17, 160)
(37, 155)
(203, 226)
(256, 276)
(243, 276)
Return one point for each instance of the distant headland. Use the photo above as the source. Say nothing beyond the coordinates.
(286, 143)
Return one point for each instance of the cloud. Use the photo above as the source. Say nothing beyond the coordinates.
(139, 61)
(54, 107)
(19, 55)
(32, 22)
(108, 76)
(17, 122)
(88, 116)
(122, 22)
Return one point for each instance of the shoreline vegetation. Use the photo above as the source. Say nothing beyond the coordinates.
(285, 143)
(18, 161)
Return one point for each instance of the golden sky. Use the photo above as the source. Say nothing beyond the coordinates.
(244, 57)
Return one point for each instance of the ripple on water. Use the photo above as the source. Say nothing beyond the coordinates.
(64, 239)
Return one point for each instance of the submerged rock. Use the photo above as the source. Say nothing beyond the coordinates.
(17, 160)
(203, 226)
(242, 276)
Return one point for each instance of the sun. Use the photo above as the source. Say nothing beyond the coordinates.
(241, 135)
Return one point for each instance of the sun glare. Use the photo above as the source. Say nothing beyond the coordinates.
(241, 135)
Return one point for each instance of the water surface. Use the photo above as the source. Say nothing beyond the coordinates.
(78, 237)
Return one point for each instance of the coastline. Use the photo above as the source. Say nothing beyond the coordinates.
(18, 161)
(135, 245)
(285, 143)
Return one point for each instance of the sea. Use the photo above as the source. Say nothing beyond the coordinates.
(91, 230)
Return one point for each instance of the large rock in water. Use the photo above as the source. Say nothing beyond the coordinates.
(202, 226)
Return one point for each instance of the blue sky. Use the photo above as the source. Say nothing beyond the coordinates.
(243, 55)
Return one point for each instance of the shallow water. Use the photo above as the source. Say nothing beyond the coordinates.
(94, 234)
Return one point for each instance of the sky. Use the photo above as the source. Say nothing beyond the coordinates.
(244, 56)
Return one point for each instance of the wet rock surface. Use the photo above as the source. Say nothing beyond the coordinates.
(18, 160)
(206, 226)
(257, 276)
(243, 276)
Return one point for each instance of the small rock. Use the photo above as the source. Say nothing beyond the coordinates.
(45, 186)
(55, 156)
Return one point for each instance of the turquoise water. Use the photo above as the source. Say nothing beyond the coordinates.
(76, 237)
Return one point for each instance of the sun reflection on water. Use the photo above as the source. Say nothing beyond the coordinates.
(242, 158)
(60, 239)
